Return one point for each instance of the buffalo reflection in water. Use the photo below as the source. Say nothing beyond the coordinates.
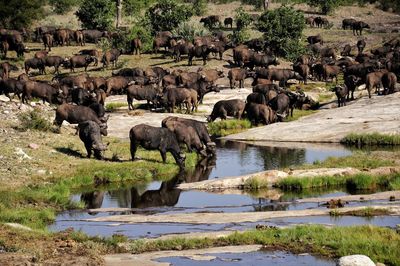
(166, 195)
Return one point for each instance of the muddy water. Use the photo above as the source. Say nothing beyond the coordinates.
(163, 198)
(251, 258)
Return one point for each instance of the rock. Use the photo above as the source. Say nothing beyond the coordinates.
(355, 260)
(4, 98)
(19, 226)
(22, 154)
(380, 264)
(33, 146)
(41, 172)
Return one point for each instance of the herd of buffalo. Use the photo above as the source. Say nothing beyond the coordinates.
(81, 98)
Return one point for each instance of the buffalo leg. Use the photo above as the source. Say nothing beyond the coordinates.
(88, 147)
(133, 149)
(163, 153)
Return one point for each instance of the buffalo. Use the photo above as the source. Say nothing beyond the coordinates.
(90, 134)
(225, 108)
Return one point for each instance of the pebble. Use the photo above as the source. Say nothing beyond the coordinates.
(33, 146)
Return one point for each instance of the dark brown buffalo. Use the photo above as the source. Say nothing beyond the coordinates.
(211, 21)
(200, 129)
(80, 61)
(173, 96)
(327, 52)
(95, 83)
(280, 104)
(91, 52)
(341, 93)
(260, 81)
(93, 36)
(75, 114)
(262, 60)
(358, 27)
(156, 138)
(11, 40)
(360, 70)
(40, 31)
(303, 70)
(256, 97)
(41, 54)
(110, 56)
(346, 50)
(40, 90)
(348, 23)
(361, 45)
(79, 38)
(90, 134)
(283, 75)
(199, 51)
(35, 63)
(351, 82)
(238, 74)
(129, 72)
(389, 81)
(211, 75)
(47, 39)
(331, 72)
(203, 87)
(14, 86)
(187, 78)
(321, 22)
(138, 92)
(61, 37)
(259, 113)
(181, 49)
(170, 79)
(310, 21)
(162, 39)
(53, 61)
(78, 81)
(315, 39)
(116, 85)
(228, 22)
(136, 46)
(374, 80)
(7, 68)
(186, 135)
(225, 108)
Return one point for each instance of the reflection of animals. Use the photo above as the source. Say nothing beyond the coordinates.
(168, 194)
(93, 200)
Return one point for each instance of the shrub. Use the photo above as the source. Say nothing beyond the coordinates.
(96, 14)
(199, 7)
(326, 6)
(227, 127)
(133, 7)
(243, 19)
(142, 29)
(16, 14)
(35, 120)
(167, 15)
(190, 30)
(283, 28)
(63, 6)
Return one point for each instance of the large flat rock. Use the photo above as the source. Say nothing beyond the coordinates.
(378, 114)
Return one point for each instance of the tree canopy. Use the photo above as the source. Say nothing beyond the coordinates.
(17, 14)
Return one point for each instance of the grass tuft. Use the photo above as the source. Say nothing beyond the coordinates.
(227, 127)
(371, 139)
(35, 120)
(111, 107)
(255, 183)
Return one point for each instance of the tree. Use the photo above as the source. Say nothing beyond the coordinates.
(17, 14)
(167, 15)
(96, 14)
(63, 6)
(283, 28)
(326, 6)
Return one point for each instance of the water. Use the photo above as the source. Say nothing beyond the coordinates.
(251, 259)
(232, 159)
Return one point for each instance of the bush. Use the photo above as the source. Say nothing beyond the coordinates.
(226, 127)
(96, 14)
(190, 30)
(167, 15)
(16, 14)
(35, 120)
(63, 6)
(283, 28)
(243, 19)
(133, 7)
(199, 7)
(142, 29)
(326, 6)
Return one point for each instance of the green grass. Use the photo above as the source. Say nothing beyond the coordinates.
(359, 160)
(255, 183)
(34, 119)
(355, 182)
(111, 107)
(226, 127)
(299, 113)
(36, 206)
(364, 212)
(380, 244)
(371, 139)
